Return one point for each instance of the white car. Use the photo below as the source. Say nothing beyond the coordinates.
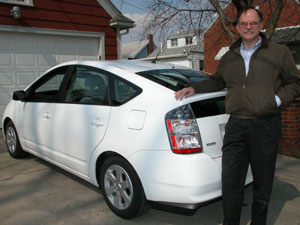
(117, 125)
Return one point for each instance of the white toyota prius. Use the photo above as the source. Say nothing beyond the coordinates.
(117, 125)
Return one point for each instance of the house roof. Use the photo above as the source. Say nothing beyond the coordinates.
(174, 52)
(287, 34)
(132, 49)
(184, 34)
(118, 19)
(121, 22)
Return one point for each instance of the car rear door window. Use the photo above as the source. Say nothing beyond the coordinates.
(88, 86)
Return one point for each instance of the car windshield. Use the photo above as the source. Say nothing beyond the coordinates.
(174, 79)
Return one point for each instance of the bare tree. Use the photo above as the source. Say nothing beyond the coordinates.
(167, 16)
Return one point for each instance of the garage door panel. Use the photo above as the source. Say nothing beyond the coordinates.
(6, 78)
(24, 42)
(5, 41)
(4, 99)
(46, 43)
(88, 45)
(65, 58)
(25, 77)
(86, 57)
(5, 59)
(47, 60)
(66, 44)
(25, 59)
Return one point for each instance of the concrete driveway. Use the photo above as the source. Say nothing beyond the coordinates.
(33, 191)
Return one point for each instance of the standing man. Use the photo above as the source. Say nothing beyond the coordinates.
(261, 78)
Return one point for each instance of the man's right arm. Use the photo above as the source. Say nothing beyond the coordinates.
(214, 83)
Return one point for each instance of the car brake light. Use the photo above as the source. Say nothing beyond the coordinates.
(183, 130)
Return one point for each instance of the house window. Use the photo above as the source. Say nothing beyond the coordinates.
(198, 65)
(201, 65)
(174, 42)
(189, 40)
(295, 49)
(18, 2)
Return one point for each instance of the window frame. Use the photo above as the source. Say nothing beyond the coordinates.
(188, 40)
(174, 42)
(42, 80)
(112, 89)
(107, 101)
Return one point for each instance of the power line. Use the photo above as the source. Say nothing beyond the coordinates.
(127, 3)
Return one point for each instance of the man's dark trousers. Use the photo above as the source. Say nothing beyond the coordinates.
(253, 141)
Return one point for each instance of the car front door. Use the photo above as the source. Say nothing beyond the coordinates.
(38, 110)
(81, 119)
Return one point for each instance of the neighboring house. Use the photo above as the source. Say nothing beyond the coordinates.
(181, 48)
(288, 28)
(138, 49)
(38, 34)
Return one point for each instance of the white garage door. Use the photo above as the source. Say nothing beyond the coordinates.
(25, 56)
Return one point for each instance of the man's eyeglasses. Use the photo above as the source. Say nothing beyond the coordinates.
(252, 24)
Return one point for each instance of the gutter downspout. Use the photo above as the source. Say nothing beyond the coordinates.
(119, 40)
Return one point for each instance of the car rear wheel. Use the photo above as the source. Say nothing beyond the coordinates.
(122, 188)
(12, 142)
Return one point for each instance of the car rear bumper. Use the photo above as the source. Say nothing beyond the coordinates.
(185, 181)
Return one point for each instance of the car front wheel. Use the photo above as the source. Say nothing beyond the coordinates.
(12, 142)
(122, 188)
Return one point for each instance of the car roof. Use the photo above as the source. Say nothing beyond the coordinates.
(133, 66)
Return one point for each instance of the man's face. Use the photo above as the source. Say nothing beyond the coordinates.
(249, 26)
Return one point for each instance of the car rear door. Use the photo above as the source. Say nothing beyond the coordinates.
(81, 119)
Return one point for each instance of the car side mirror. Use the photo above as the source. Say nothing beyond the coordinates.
(19, 95)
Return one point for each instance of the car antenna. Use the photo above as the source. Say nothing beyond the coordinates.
(162, 47)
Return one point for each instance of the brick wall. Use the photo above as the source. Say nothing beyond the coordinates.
(290, 140)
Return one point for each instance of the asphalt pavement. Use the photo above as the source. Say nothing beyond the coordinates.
(32, 191)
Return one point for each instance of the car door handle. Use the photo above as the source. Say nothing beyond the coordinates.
(97, 122)
(47, 116)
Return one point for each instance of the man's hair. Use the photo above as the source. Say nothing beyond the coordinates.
(245, 9)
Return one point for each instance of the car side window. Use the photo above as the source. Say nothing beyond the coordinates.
(47, 88)
(124, 91)
(87, 86)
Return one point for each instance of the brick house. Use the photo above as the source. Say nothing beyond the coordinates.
(287, 32)
(38, 34)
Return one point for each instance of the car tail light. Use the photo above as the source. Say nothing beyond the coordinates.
(183, 130)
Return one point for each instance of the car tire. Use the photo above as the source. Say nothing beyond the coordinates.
(122, 188)
(12, 142)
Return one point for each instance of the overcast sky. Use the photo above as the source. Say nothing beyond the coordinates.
(136, 11)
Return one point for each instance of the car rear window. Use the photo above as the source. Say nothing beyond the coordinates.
(174, 79)
(209, 107)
